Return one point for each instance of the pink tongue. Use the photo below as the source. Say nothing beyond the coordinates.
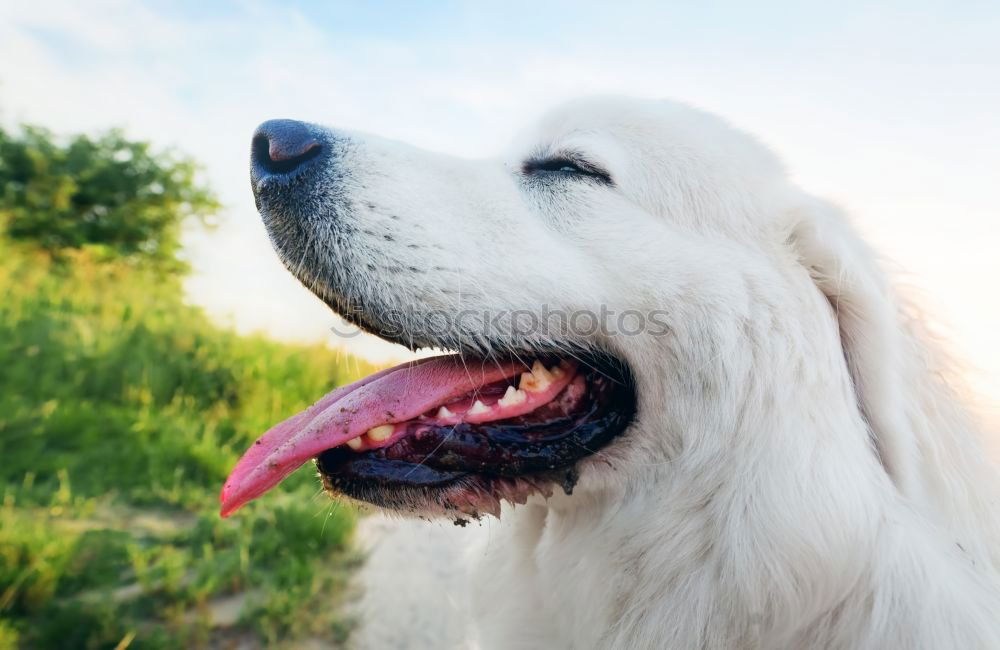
(394, 395)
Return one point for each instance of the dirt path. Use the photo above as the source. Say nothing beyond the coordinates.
(414, 593)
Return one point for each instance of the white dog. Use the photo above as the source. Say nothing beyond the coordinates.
(754, 449)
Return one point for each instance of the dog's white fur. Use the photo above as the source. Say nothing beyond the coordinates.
(801, 474)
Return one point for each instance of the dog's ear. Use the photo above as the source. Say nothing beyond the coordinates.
(875, 347)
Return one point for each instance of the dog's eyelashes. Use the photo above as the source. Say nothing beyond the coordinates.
(566, 166)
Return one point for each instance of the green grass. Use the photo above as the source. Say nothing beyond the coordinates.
(121, 411)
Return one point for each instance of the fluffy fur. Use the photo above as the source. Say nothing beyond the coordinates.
(800, 475)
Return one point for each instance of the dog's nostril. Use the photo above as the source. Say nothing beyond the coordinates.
(282, 146)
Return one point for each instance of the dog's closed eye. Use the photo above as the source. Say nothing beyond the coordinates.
(565, 165)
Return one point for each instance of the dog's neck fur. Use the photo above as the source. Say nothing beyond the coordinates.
(750, 561)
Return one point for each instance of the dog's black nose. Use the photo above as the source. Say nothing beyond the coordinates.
(281, 147)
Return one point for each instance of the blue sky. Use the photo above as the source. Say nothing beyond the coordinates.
(889, 108)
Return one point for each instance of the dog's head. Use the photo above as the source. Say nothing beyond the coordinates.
(637, 280)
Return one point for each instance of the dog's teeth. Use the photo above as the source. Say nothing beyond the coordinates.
(354, 443)
(444, 413)
(477, 408)
(535, 383)
(380, 433)
(512, 397)
(557, 372)
(538, 379)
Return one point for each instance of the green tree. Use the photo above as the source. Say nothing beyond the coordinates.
(116, 197)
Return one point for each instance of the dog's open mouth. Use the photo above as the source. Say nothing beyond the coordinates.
(446, 433)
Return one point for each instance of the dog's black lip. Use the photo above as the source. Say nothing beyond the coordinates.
(498, 452)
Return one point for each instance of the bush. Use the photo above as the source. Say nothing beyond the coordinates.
(115, 196)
